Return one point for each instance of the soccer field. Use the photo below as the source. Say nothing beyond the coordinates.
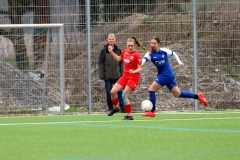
(170, 135)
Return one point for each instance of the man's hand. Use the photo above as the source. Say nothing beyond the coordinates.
(110, 48)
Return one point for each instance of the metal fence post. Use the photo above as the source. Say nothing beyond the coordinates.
(62, 70)
(89, 56)
(195, 51)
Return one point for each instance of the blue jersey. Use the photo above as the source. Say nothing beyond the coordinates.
(160, 60)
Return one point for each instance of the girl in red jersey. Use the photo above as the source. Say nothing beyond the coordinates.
(131, 76)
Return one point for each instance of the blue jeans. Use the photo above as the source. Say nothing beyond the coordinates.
(108, 86)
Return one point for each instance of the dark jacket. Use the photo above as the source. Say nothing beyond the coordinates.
(108, 67)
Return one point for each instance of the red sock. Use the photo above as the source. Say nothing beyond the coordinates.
(114, 102)
(128, 108)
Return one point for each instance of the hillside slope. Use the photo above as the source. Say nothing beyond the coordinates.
(218, 88)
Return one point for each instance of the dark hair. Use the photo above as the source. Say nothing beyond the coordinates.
(158, 41)
(137, 42)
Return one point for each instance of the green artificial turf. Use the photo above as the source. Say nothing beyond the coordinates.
(170, 136)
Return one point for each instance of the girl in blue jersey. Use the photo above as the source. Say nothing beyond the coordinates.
(165, 77)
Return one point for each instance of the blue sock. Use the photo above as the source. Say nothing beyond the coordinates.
(187, 94)
(152, 98)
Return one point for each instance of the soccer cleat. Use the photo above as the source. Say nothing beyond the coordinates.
(148, 114)
(128, 118)
(202, 99)
(110, 113)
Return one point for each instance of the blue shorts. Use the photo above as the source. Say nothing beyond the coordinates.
(168, 81)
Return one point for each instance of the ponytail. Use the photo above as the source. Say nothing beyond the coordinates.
(136, 41)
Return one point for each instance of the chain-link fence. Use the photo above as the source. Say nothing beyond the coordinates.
(218, 34)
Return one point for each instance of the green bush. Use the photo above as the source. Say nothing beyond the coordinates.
(147, 20)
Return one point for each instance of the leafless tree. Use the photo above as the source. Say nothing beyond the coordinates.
(42, 15)
(16, 35)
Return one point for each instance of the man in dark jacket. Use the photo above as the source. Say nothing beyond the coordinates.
(110, 71)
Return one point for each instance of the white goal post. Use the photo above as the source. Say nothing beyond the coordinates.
(61, 52)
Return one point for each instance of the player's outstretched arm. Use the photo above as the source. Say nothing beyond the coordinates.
(178, 59)
(146, 58)
(143, 61)
(116, 57)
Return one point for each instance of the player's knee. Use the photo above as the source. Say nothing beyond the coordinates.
(154, 88)
(113, 93)
(151, 89)
(176, 94)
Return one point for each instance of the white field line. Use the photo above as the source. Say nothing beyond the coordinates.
(158, 113)
(216, 112)
(111, 121)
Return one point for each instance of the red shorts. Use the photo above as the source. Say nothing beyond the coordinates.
(132, 83)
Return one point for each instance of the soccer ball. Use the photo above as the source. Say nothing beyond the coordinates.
(146, 105)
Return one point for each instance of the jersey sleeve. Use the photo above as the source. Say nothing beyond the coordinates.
(168, 51)
(172, 53)
(177, 58)
(147, 56)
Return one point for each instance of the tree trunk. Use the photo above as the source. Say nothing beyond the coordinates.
(42, 16)
(17, 37)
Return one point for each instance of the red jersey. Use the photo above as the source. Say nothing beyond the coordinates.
(131, 60)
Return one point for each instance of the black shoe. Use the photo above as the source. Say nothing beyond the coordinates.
(128, 118)
(110, 113)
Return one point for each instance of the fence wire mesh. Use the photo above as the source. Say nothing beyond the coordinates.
(29, 81)
(23, 51)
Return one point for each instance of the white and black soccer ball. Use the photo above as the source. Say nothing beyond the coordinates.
(146, 105)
